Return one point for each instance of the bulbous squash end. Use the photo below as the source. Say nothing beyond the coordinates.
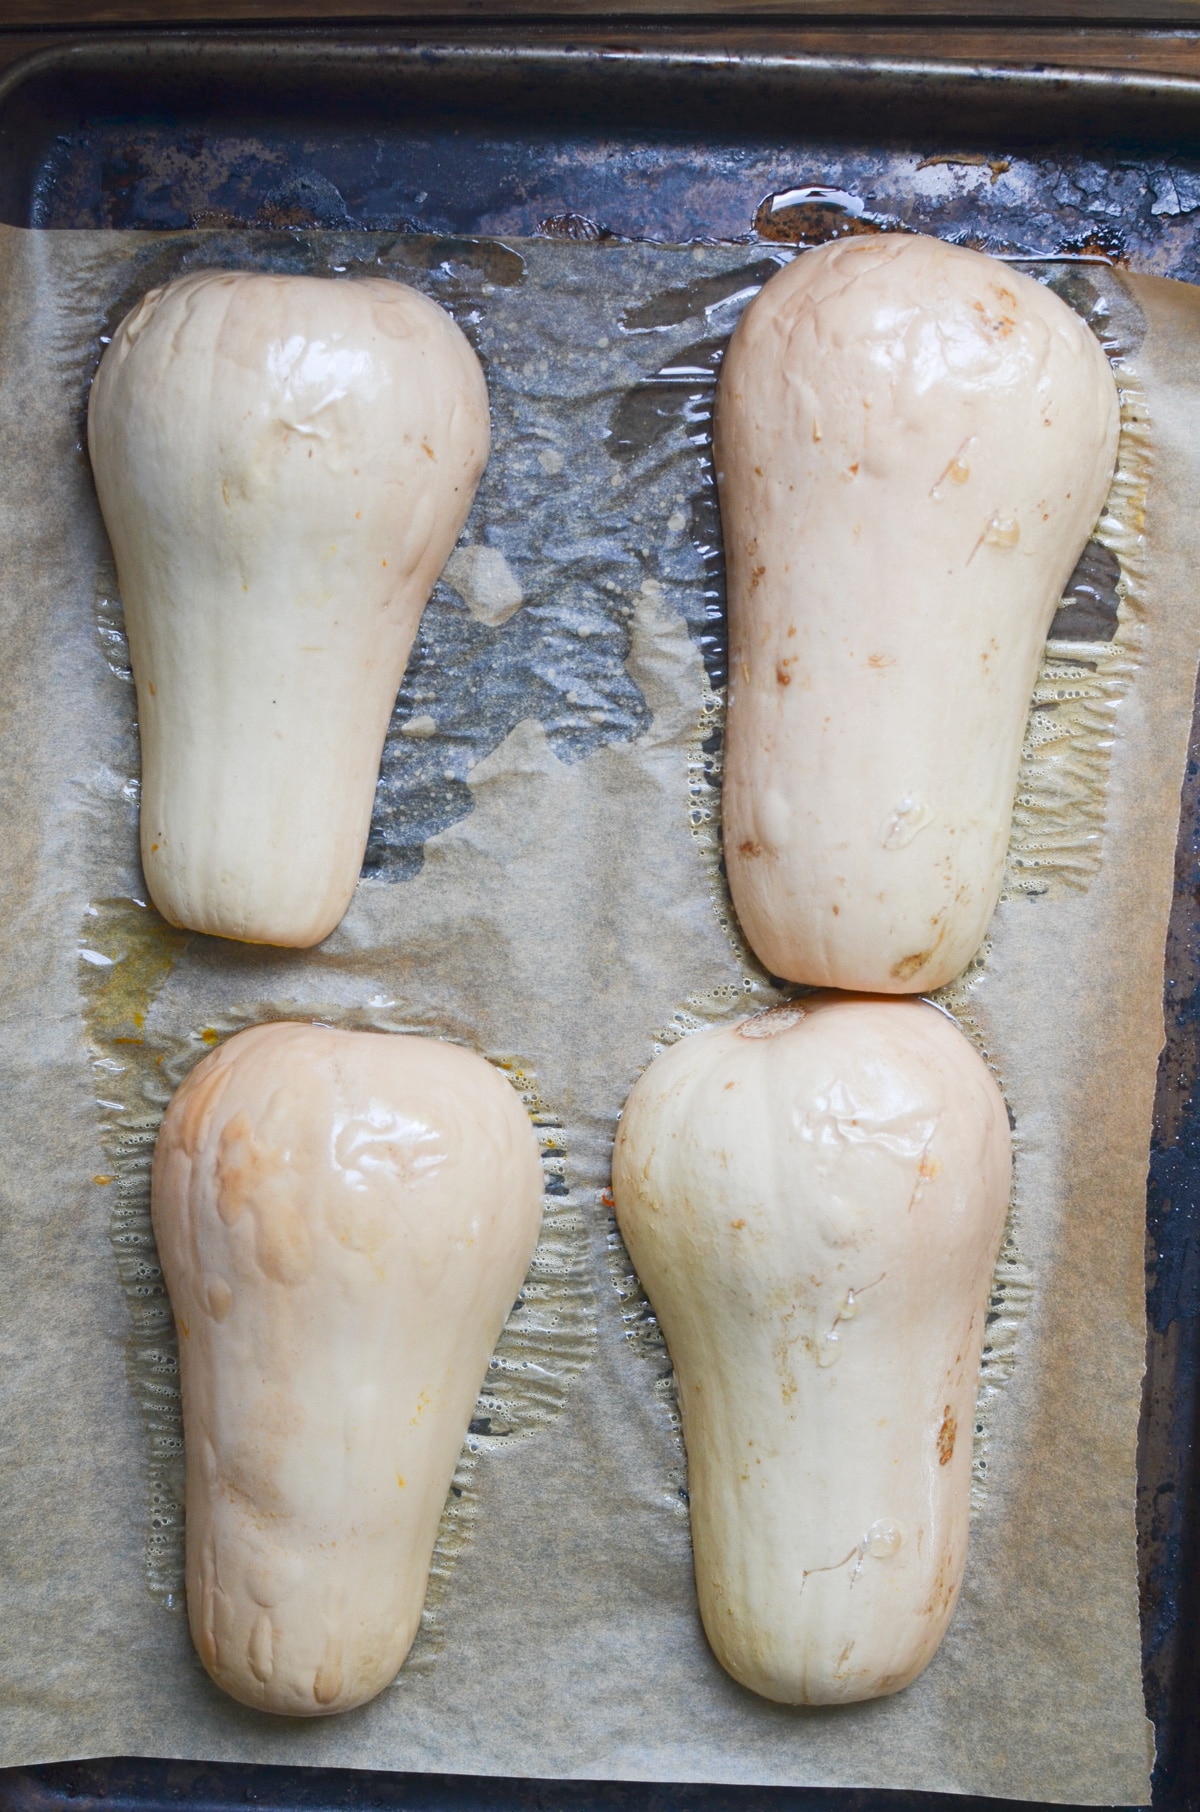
(802, 949)
(297, 923)
(792, 1679)
(321, 1691)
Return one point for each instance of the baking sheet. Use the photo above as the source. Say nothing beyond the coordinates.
(542, 882)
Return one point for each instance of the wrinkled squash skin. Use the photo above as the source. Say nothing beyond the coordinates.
(344, 1220)
(913, 443)
(814, 1202)
(283, 465)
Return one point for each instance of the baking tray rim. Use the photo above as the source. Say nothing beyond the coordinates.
(404, 48)
(430, 46)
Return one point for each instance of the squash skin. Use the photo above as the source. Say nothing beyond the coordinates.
(814, 1201)
(344, 1220)
(913, 443)
(283, 465)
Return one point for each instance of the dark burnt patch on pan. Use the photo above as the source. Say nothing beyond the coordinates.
(978, 160)
(580, 228)
(304, 199)
(1100, 241)
(815, 215)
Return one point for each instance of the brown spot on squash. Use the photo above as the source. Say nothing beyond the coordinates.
(944, 1590)
(908, 966)
(750, 848)
(945, 1440)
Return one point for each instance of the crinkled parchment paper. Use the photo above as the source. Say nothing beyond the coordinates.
(542, 883)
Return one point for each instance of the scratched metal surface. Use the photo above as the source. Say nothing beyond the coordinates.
(504, 172)
(159, 134)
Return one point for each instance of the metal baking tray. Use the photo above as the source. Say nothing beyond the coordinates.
(641, 133)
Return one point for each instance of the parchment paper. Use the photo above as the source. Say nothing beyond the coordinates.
(542, 883)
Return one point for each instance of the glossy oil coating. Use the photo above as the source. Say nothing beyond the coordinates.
(913, 443)
(814, 1201)
(283, 464)
(344, 1221)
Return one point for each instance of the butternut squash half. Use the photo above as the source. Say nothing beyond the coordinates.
(344, 1220)
(283, 465)
(814, 1202)
(913, 442)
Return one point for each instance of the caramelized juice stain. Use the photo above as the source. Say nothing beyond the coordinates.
(138, 950)
(814, 215)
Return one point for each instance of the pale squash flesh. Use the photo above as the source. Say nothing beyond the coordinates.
(913, 442)
(344, 1220)
(283, 465)
(814, 1201)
